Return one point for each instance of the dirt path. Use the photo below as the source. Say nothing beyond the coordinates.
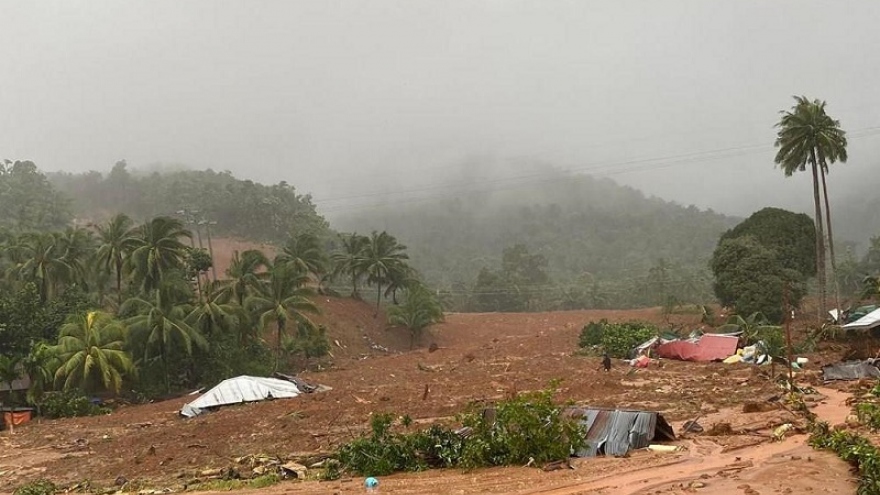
(789, 466)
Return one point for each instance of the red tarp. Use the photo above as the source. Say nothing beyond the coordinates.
(708, 348)
(15, 418)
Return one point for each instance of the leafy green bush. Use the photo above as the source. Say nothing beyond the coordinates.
(41, 486)
(591, 335)
(384, 452)
(618, 339)
(69, 404)
(529, 427)
(869, 414)
(854, 449)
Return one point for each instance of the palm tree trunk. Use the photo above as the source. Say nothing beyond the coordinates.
(165, 368)
(830, 240)
(378, 296)
(119, 280)
(278, 344)
(820, 236)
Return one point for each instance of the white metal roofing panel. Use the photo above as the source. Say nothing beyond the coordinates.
(870, 320)
(241, 389)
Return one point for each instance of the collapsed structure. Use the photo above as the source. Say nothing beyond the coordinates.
(248, 389)
(616, 432)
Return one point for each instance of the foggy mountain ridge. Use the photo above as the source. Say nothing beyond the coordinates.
(486, 175)
(677, 99)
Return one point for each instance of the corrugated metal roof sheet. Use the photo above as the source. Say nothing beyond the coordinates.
(238, 390)
(615, 432)
(710, 347)
(850, 370)
(22, 383)
(866, 322)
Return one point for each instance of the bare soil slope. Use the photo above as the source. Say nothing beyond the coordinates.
(481, 357)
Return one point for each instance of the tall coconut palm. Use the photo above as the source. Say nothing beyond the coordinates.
(807, 135)
(419, 310)
(304, 252)
(350, 261)
(383, 256)
(161, 324)
(40, 365)
(78, 248)
(211, 316)
(39, 258)
(281, 299)
(157, 250)
(401, 276)
(834, 141)
(244, 275)
(116, 240)
(90, 350)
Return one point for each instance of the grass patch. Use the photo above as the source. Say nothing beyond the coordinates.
(228, 485)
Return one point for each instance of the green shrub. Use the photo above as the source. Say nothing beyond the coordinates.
(68, 405)
(236, 484)
(854, 449)
(869, 414)
(591, 335)
(41, 486)
(617, 339)
(529, 427)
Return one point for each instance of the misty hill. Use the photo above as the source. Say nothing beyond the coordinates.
(589, 230)
(235, 207)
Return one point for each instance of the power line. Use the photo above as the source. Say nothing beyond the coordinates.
(640, 165)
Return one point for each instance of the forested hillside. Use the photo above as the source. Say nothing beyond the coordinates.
(232, 206)
(563, 242)
(601, 244)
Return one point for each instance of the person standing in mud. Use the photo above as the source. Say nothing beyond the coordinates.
(606, 362)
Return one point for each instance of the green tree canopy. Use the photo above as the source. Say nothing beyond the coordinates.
(27, 199)
(91, 352)
(282, 299)
(420, 309)
(791, 235)
(750, 278)
(158, 250)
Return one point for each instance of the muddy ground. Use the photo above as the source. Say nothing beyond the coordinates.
(480, 358)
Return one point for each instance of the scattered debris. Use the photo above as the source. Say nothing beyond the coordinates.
(708, 347)
(758, 406)
(432, 368)
(664, 449)
(557, 465)
(851, 370)
(616, 432)
(692, 427)
(240, 389)
(720, 430)
(780, 431)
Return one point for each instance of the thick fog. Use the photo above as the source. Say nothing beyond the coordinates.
(349, 100)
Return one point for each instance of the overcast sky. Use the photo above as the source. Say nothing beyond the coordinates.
(336, 96)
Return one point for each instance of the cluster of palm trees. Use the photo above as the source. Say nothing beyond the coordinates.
(807, 135)
(378, 259)
(147, 312)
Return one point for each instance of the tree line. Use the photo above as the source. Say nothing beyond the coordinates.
(124, 306)
(774, 254)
